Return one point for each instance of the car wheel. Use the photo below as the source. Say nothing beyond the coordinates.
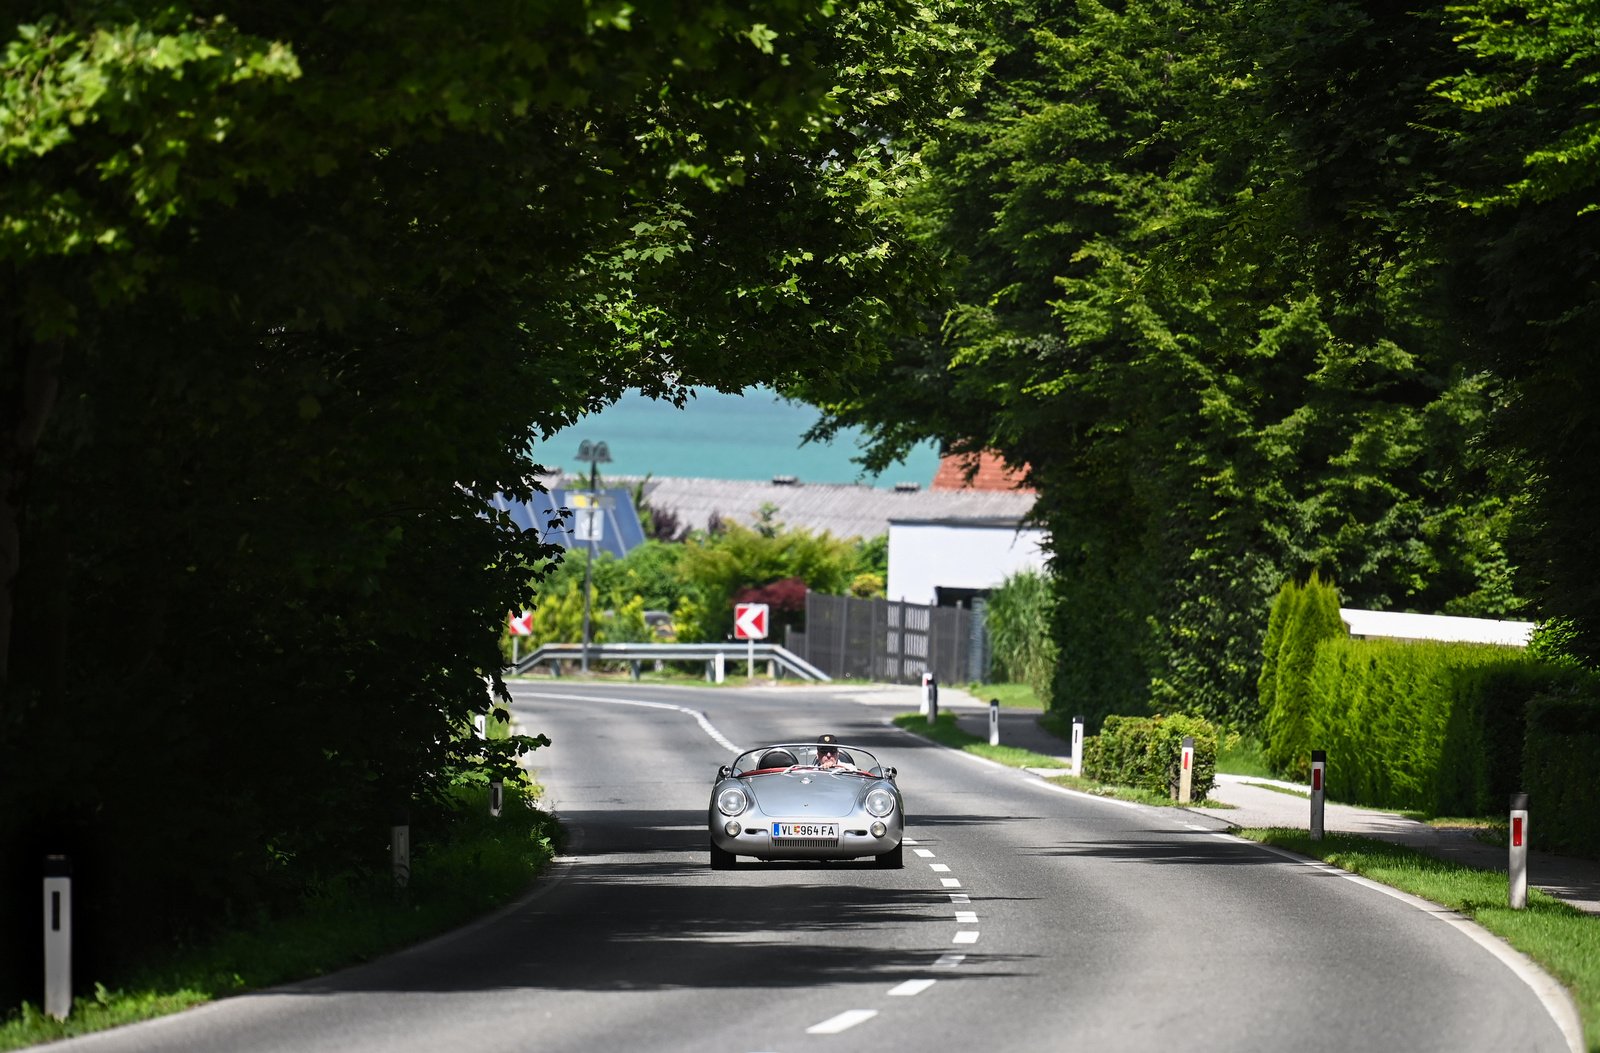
(894, 859)
(721, 860)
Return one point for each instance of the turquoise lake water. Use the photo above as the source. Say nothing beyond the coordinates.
(716, 436)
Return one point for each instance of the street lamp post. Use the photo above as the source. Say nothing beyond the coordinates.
(595, 454)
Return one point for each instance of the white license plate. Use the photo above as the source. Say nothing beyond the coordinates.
(805, 829)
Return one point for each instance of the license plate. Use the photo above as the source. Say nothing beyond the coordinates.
(805, 829)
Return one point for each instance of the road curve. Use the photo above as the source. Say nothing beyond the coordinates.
(1028, 919)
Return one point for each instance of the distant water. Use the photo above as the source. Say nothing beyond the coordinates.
(751, 436)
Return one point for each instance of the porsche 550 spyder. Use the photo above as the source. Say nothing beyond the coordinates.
(806, 800)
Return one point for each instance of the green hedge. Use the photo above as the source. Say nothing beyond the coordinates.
(1146, 752)
(1561, 769)
(1302, 617)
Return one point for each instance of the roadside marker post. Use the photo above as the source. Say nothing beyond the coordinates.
(933, 698)
(1518, 870)
(497, 796)
(927, 681)
(1077, 746)
(57, 936)
(720, 667)
(400, 847)
(1319, 780)
(1186, 771)
(994, 722)
(480, 725)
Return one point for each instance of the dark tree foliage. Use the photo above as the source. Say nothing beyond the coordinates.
(288, 288)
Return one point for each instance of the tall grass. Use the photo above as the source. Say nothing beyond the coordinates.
(1019, 619)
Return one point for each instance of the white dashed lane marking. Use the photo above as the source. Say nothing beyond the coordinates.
(960, 897)
(912, 987)
(966, 936)
(966, 917)
(844, 1021)
(949, 882)
(907, 841)
(939, 868)
(949, 961)
(923, 852)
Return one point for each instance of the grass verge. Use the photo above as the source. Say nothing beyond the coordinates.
(1136, 794)
(1018, 696)
(1279, 789)
(1242, 755)
(1563, 939)
(485, 863)
(947, 734)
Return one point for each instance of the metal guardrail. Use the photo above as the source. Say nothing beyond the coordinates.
(667, 652)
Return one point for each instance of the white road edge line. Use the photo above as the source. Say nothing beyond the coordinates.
(710, 728)
(1556, 999)
(844, 1021)
(912, 987)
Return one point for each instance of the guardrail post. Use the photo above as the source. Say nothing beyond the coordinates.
(1517, 886)
(1319, 790)
(555, 668)
(497, 796)
(57, 936)
(994, 722)
(400, 847)
(633, 666)
(1077, 746)
(927, 679)
(933, 699)
(1186, 771)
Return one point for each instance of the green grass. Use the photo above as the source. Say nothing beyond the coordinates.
(1279, 789)
(1563, 939)
(485, 863)
(1243, 756)
(947, 734)
(1137, 794)
(1018, 696)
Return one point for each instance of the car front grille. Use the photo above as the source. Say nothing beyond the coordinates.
(805, 842)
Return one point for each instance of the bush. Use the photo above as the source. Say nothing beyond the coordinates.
(1436, 727)
(1561, 769)
(1018, 615)
(1306, 621)
(1147, 752)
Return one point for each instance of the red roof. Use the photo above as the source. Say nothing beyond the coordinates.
(992, 473)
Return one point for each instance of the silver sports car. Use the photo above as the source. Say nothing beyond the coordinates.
(806, 800)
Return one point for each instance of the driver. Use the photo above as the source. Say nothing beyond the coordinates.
(827, 751)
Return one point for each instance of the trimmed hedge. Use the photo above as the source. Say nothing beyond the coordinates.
(1436, 727)
(1561, 769)
(1146, 752)
(1302, 617)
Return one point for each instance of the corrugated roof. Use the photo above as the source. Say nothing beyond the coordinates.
(842, 509)
(1400, 626)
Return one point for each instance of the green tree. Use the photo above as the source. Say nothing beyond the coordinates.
(1313, 618)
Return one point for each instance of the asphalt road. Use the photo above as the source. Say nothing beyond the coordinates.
(1062, 922)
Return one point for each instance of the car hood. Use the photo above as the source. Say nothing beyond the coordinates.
(800, 794)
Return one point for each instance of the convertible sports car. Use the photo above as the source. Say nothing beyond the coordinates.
(806, 800)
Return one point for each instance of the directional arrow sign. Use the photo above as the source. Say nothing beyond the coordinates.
(750, 621)
(522, 624)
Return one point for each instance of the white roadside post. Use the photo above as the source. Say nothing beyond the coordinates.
(400, 847)
(1519, 851)
(927, 691)
(480, 725)
(1077, 746)
(57, 936)
(1186, 771)
(750, 658)
(1319, 790)
(933, 699)
(497, 795)
(721, 667)
(994, 722)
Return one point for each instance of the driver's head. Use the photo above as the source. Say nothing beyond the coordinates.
(827, 749)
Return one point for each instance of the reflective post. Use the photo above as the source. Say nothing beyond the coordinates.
(1186, 771)
(1077, 746)
(1319, 780)
(927, 690)
(750, 658)
(933, 699)
(1518, 871)
(400, 847)
(57, 936)
(497, 791)
(721, 667)
(994, 722)
(480, 725)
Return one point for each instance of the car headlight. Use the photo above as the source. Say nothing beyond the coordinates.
(732, 801)
(880, 802)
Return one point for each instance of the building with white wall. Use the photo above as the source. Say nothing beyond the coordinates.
(950, 560)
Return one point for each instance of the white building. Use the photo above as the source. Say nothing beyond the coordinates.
(1395, 625)
(950, 560)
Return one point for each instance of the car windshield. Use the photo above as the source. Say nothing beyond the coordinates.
(844, 759)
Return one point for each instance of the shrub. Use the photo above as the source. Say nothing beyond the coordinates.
(1314, 617)
(1436, 727)
(1018, 615)
(1561, 768)
(1147, 752)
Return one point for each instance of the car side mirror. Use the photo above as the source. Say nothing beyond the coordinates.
(722, 772)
